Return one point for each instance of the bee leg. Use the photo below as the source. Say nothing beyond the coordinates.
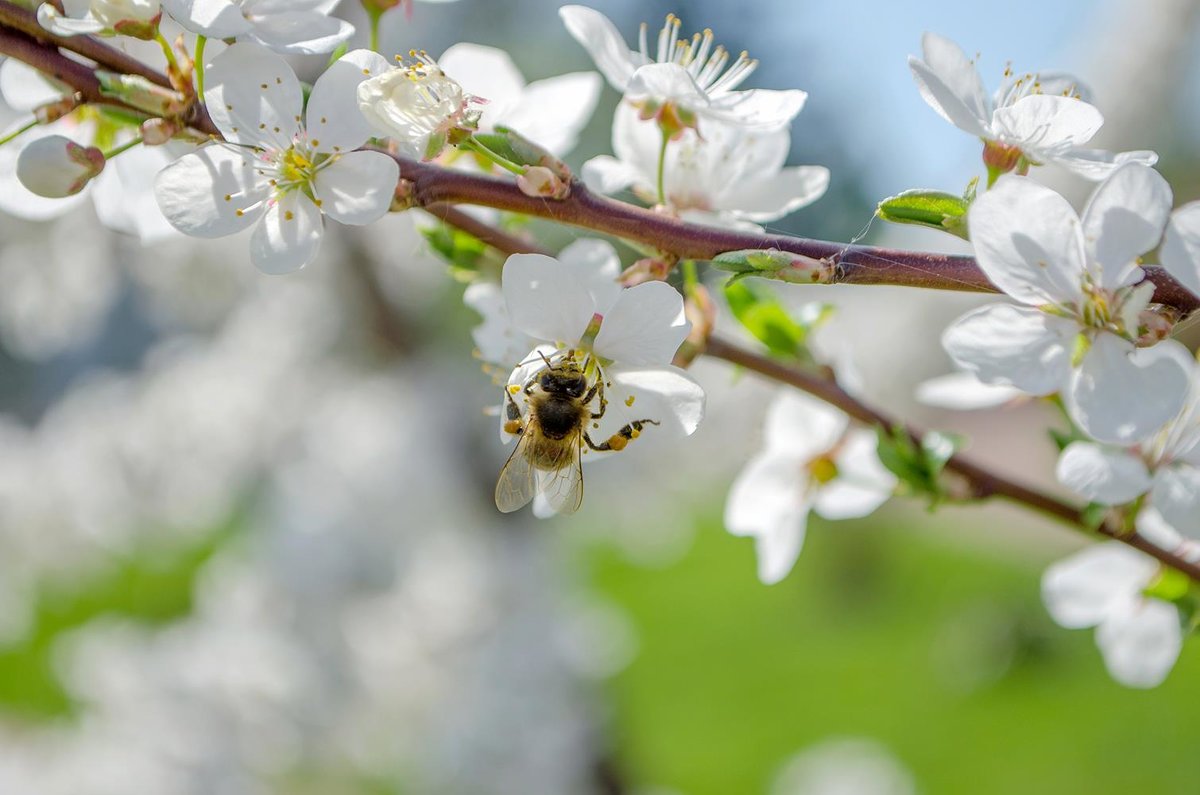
(512, 415)
(621, 438)
(598, 387)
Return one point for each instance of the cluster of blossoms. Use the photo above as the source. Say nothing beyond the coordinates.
(587, 355)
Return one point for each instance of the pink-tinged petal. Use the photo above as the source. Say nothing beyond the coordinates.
(1083, 590)
(552, 112)
(1107, 395)
(964, 392)
(802, 427)
(300, 32)
(603, 42)
(1180, 252)
(599, 266)
(758, 109)
(1107, 475)
(289, 235)
(950, 84)
(605, 174)
(545, 300)
(664, 394)
(485, 72)
(333, 120)
(645, 326)
(211, 193)
(1028, 241)
(1014, 346)
(862, 483)
(773, 197)
(253, 96)
(1140, 642)
(1097, 164)
(1176, 497)
(1123, 220)
(358, 188)
(217, 19)
(1044, 127)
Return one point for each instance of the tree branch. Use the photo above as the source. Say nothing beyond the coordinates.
(982, 482)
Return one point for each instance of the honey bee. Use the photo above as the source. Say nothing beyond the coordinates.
(549, 452)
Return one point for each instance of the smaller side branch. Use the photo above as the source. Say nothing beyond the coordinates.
(982, 482)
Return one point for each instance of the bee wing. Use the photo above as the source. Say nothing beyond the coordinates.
(518, 479)
(562, 486)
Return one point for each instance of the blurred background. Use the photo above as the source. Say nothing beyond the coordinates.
(248, 545)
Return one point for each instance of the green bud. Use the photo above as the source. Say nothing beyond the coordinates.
(772, 263)
(140, 93)
(934, 209)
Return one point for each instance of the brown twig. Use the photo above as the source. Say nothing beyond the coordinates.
(981, 482)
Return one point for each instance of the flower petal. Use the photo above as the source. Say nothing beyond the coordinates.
(1097, 164)
(771, 198)
(599, 267)
(603, 42)
(666, 395)
(552, 112)
(666, 82)
(211, 193)
(289, 235)
(1176, 497)
(964, 392)
(645, 326)
(1012, 346)
(333, 120)
(358, 188)
(485, 72)
(1180, 252)
(1123, 220)
(764, 492)
(300, 32)
(1107, 475)
(217, 19)
(253, 96)
(862, 483)
(1028, 241)
(1044, 126)
(606, 174)
(1140, 642)
(24, 88)
(759, 109)
(1107, 395)
(950, 84)
(495, 338)
(1083, 590)
(779, 545)
(545, 300)
(802, 427)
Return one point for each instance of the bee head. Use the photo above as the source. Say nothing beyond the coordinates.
(569, 382)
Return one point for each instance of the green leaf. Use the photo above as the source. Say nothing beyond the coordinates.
(461, 250)
(1093, 515)
(1171, 585)
(918, 466)
(761, 313)
(934, 209)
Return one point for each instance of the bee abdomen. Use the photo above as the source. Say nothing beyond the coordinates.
(559, 418)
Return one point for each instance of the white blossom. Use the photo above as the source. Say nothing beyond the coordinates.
(1180, 253)
(416, 105)
(964, 392)
(550, 112)
(274, 172)
(1103, 587)
(812, 460)
(725, 175)
(1166, 466)
(291, 27)
(1042, 118)
(1076, 327)
(692, 76)
(625, 347)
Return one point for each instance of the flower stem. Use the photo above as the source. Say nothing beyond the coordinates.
(125, 147)
(374, 15)
(662, 167)
(167, 51)
(199, 58)
(479, 148)
(22, 129)
(690, 277)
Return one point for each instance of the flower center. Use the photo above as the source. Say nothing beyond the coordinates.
(822, 469)
(706, 64)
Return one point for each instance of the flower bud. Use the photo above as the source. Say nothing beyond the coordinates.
(1155, 323)
(57, 167)
(543, 183)
(53, 111)
(141, 93)
(156, 132)
(647, 269)
(783, 266)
